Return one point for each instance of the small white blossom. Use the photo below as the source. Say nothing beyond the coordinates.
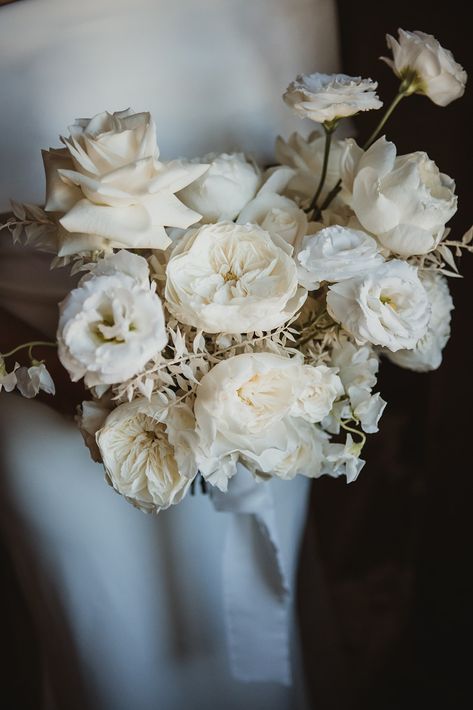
(343, 460)
(30, 380)
(7, 379)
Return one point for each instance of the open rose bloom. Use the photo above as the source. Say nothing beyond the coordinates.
(232, 314)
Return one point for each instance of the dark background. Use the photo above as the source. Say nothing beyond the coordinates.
(386, 620)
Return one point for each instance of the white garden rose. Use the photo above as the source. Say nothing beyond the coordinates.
(232, 278)
(109, 188)
(328, 97)
(305, 156)
(427, 354)
(387, 307)
(426, 67)
(147, 451)
(111, 324)
(317, 389)
(335, 254)
(228, 184)
(278, 215)
(405, 201)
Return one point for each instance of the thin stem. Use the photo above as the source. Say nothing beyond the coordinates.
(32, 344)
(352, 430)
(331, 195)
(328, 142)
(383, 121)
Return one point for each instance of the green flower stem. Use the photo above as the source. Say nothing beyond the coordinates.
(382, 123)
(329, 129)
(32, 344)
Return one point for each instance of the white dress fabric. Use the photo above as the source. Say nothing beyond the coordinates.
(132, 609)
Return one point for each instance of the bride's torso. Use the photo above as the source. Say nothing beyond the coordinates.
(211, 72)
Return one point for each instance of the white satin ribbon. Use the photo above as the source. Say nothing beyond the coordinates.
(257, 595)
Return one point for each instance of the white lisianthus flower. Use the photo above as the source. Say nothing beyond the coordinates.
(146, 448)
(277, 215)
(328, 97)
(228, 184)
(232, 278)
(427, 354)
(243, 412)
(335, 254)
(317, 389)
(343, 460)
(110, 325)
(30, 380)
(110, 187)
(404, 201)
(428, 68)
(387, 307)
(306, 155)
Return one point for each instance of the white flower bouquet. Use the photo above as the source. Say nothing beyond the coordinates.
(229, 314)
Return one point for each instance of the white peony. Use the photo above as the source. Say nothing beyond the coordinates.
(427, 354)
(147, 452)
(224, 189)
(328, 97)
(232, 278)
(335, 254)
(428, 68)
(243, 412)
(305, 157)
(110, 187)
(388, 306)
(111, 324)
(405, 201)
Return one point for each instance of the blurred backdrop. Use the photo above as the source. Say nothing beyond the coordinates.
(387, 622)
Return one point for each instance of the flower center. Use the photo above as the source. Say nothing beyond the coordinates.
(388, 301)
(230, 276)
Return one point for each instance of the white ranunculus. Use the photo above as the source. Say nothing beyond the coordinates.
(110, 187)
(336, 254)
(147, 452)
(110, 325)
(232, 278)
(427, 354)
(329, 97)
(277, 215)
(305, 156)
(405, 201)
(317, 389)
(387, 307)
(243, 412)
(419, 60)
(225, 188)
(343, 460)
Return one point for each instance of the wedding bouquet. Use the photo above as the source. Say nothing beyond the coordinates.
(230, 314)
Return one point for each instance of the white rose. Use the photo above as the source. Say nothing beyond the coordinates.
(329, 97)
(426, 67)
(232, 278)
(405, 201)
(388, 306)
(336, 254)
(305, 156)
(111, 324)
(225, 188)
(111, 188)
(242, 409)
(146, 448)
(317, 389)
(427, 354)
